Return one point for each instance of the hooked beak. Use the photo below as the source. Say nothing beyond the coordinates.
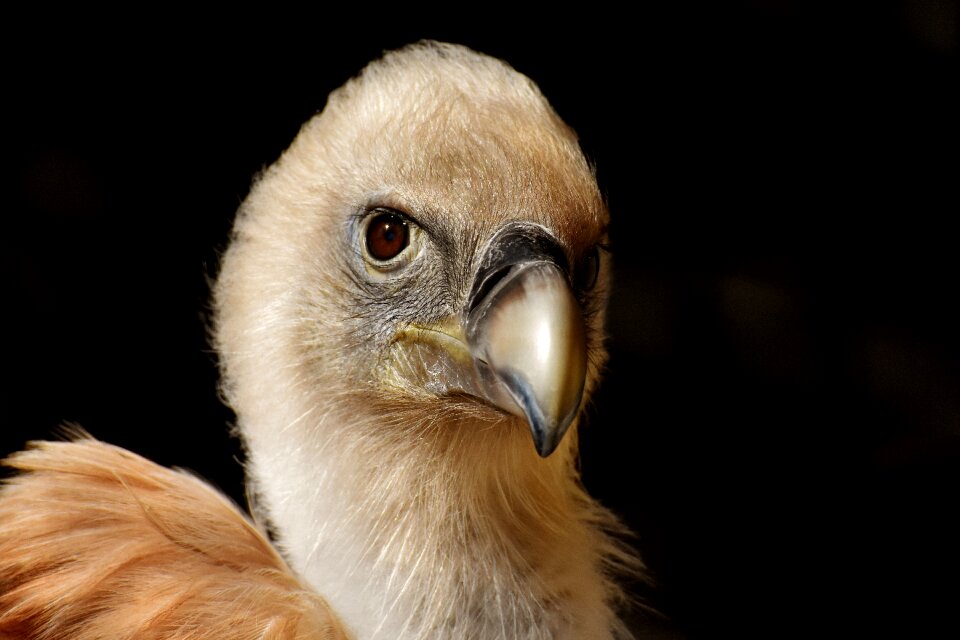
(519, 344)
(524, 323)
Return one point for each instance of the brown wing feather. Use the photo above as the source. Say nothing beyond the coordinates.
(96, 542)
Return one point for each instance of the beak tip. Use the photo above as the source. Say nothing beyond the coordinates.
(547, 437)
(544, 446)
(547, 429)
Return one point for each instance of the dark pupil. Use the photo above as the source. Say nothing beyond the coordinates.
(387, 236)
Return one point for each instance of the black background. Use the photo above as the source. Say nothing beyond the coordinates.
(780, 422)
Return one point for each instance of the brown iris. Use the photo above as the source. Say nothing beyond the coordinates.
(387, 236)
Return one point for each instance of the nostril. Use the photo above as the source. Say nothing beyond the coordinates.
(515, 246)
(487, 284)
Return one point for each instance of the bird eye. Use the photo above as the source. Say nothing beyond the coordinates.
(390, 240)
(387, 236)
(588, 270)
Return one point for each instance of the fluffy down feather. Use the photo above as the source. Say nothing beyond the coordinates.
(96, 542)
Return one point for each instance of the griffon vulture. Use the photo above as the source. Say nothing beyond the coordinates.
(413, 290)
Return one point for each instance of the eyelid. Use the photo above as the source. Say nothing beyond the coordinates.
(367, 213)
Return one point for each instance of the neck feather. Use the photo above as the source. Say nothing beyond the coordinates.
(438, 524)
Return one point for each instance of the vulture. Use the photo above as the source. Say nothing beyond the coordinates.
(409, 323)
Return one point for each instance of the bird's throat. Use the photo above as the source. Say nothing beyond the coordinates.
(443, 544)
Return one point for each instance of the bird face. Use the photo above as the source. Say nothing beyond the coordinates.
(516, 341)
(432, 241)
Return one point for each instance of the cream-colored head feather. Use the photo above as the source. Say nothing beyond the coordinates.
(415, 512)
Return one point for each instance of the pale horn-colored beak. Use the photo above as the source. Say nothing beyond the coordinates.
(524, 323)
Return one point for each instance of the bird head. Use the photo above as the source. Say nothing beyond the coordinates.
(423, 265)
